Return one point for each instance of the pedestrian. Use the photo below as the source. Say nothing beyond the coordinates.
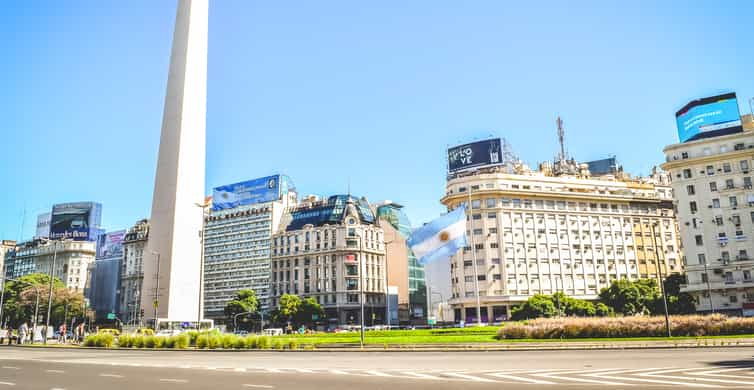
(63, 333)
(22, 330)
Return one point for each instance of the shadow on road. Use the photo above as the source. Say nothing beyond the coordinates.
(740, 363)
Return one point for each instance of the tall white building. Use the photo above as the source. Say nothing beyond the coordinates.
(172, 270)
(712, 182)
(237, 239)
(556, 230)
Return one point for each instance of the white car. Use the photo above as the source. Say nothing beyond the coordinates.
(169, 332)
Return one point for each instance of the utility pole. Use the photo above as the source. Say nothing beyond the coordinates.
(156, 300)
(49, 297)
(362, 260)
(659, 277)
(473, 256)
(203, 206)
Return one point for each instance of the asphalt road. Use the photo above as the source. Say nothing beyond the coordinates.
(50, 369)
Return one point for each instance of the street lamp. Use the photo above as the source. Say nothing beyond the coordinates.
(659, 277)
(235, 317)
(204, 207)
(49, 297)
(156, 300)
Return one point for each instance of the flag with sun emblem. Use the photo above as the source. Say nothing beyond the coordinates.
(441, 238)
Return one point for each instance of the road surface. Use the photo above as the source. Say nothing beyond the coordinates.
(56, 369)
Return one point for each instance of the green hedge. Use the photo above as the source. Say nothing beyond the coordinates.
(204, 340)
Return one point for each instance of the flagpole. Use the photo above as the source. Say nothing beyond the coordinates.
(473, 256)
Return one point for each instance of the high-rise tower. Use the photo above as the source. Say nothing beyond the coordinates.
(172, 262)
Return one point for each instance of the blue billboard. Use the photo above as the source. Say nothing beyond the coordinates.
(712, 116)
(264, 189)
(79, 221)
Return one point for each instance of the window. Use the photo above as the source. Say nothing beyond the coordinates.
(710, 170)
(713, 186)
(716, 203)
(699, 240)
(491, 203)
(475, 204)
(493, 245)
(692, 207)
(702, 258)
(481, 278)
(690, 189)
(468, 278)
(476, 216)
(497, 277)
(726, 167)
(719, 220)
(733, 201)
(744, 165)
(747, 275)
(705, 278)
(684, 155)
(478, 232)
(493, 230)
(729, 184)
(491, 215)
(747, 182)
(687, 173)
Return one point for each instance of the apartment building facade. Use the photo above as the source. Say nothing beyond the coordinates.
(543, 232)
(132, 271)
(712, 182)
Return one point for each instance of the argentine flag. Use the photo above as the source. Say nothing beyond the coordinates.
(441, 238)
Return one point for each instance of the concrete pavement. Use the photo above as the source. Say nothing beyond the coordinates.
(22, 368)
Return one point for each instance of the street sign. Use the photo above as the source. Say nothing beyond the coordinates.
(110, 316)
(431, 321)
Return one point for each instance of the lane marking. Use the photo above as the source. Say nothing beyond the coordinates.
(7, 383)
(275, 370)
(611, 375)
(420, 375)
(378, 373)
(469, 377)
(657, 374)
(11, 368)
(111, 375)
(55, 371)
(522, 379)
(239, 369)
(305, 371)
(557, 375)
(174, 380)
(259, 386)
(339, 372)
(715, 373)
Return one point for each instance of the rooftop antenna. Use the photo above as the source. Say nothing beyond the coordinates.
(561, 139)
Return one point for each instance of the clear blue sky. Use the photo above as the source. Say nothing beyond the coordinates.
(329, 91)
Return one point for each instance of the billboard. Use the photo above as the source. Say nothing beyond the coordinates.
(110, 245)
(709, 117)
(474, 155)
(264, 189)
(43, 225)
(79, 221)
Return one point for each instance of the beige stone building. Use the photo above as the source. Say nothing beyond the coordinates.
(132, 271)
(6, 246)
(72, 259)
(330, 250)
(712, 182)
(554, 230)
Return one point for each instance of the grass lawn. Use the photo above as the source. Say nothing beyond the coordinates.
(457, 336)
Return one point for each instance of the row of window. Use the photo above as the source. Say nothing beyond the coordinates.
(711, 170)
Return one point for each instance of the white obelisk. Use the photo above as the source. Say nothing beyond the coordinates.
(172, 262)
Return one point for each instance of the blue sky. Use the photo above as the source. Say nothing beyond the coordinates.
(335, 91)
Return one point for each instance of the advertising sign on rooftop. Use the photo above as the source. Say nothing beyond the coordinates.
(79, 221)
(709, 117)
(474, 155)
(264, 189)
(110, 245)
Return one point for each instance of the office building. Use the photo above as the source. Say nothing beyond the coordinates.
(132, 272)
(237, 239)
(7, 249)
(712, 183)
(404, 273)
(176, 222)
(71, 258)
(332, 250)
(556, 229)
(103, 281)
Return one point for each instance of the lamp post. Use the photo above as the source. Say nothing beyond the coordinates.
(49, 297)
(156, 300)
(362, 260)
(204, 207)
(659, 277)
(235, 317)
(387, 287)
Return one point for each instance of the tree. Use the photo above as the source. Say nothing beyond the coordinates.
(537, 306)
(245, 301)
(632, 297)
(678, 302)
(20, 298)
(288, 307)
(308, 313)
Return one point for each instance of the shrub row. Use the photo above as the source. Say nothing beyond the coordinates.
(572, 328)
(180, 341)
(99, 340)
(204, 340)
